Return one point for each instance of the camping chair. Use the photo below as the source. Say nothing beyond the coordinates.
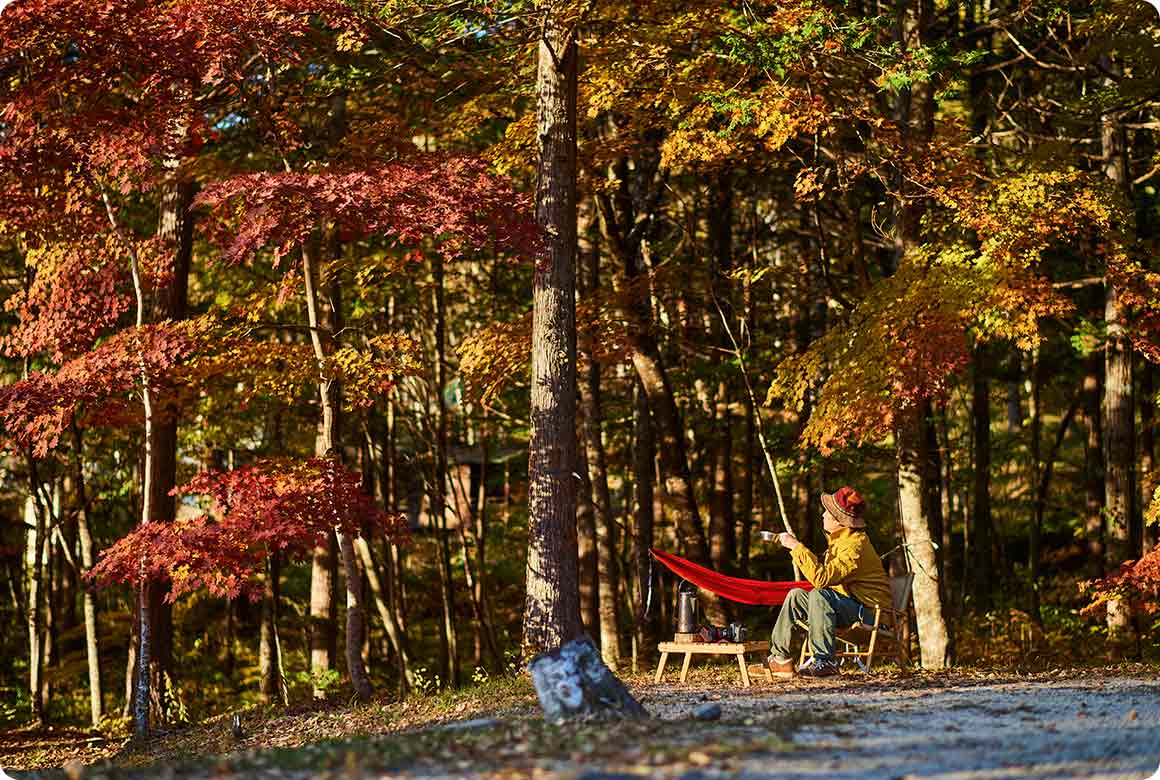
(889, 624)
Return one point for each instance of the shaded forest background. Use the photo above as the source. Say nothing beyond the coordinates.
(277, 281)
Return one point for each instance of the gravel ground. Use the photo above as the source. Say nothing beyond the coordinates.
(1078, 728)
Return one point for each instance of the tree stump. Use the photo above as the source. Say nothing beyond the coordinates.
(573, 682)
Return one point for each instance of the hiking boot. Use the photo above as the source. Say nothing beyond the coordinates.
(780, 667)
(818, 667)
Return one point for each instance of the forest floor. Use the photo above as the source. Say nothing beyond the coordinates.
(960, 725)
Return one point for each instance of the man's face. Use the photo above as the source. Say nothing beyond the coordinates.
(829, 523)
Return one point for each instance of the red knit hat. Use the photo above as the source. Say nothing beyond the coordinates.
(846, 505)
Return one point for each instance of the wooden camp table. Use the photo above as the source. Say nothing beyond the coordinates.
(738, 649)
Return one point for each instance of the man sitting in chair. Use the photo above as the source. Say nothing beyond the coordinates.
(849, 582)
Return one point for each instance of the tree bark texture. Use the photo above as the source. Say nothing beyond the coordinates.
(552, 607)
(1119, 421)
(911, 446)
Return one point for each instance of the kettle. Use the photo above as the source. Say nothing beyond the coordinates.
(687, 608)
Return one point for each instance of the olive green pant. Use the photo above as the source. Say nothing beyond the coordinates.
(824, 611)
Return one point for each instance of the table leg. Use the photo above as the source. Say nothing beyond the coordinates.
(685, 666)
(661, 666)
(744, 670)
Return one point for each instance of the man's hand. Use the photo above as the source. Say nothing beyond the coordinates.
(787, 540)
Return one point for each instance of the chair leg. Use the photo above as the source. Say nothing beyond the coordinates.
(661, 667)
(870, 650)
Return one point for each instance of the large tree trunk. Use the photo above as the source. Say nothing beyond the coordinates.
(552, 606)
(1118, 412)
(92, 649)
(911, 445)
(329, 444)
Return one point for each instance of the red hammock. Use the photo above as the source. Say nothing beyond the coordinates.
(731, 588)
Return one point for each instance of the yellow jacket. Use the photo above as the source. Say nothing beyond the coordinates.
(850, 566)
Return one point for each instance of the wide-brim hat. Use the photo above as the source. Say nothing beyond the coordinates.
(846, 506)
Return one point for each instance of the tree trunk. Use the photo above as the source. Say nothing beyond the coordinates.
(587, 556)
(643, 465)
(141, 695)
(34, 558)
(608, 572)
(552, 607)
(449, 632)
(571, 682)
(722, 522)
(395, 634)
(1149, 533)
(1118, 412)
(329, 445)
(175, 231)
(911, 446)
(92, 649)
(1119, 460)
(269, 661)
(1041, 498)
(1093, 462)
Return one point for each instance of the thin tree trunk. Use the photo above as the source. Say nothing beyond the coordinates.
(269, 663)
(330, 444)
(175, 231)
(449, 632)
(608, 571)
(1036, 433)
(643, 464)
(587, 556)
(141, 694)
(92, 648)
(1148, 533)
(1094, 521)
(722, 522)
(980, 515)
(552, 607)
(35, 561)
(395, 633)
(1041, 498)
